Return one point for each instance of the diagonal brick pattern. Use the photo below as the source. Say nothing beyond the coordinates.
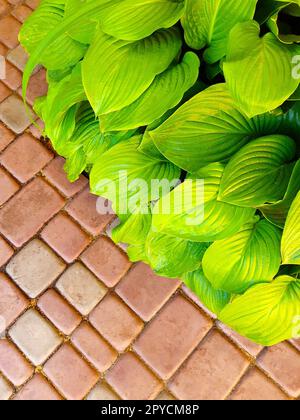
(77, 319)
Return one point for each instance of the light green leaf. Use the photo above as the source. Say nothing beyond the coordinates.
(291, 235)
(125, 70)
(250, 256)
(208, 128)
(259, 173)
(214, 300)
(36, 28)
(277, 213)
(134, 230)
(192, 212)
(164, 93)
(125, 176)
(266, 313)
(265, 57)
(207, 23)
(172, 257)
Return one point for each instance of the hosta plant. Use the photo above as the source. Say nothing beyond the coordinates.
(185, 114)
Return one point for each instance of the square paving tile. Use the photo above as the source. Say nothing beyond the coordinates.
(102, 392)
(59, 312)
(106, 261)
(116, 322)
(25, 157)
(65, 237)
(5, 389)
(93, 347)
(171, 336)
(13, 114)
(282, 363)
(211, 372)
(18, 57)
(13, 364)
(34, 268)
(72, 376)
(144, 291)
(132, 380)
(29, 209)
(12, 302)
(6, 251)
(81, 288)
(37, 389)
(9, 30)
(8, 186)
(6, 137)
(35, 336)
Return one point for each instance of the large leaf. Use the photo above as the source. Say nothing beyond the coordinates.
(266, 313)
(125, 176)
(250, 256)
(258, 70)
(291, 235)
(208, 128)
(165, 92)
(192, 212)
(207, 23)
(134, 230)
(214, 300)
(277, 213)
(259, 173)
(172, 257)
(43, 20)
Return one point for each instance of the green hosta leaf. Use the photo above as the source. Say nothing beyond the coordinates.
(125, 70)
(165, 92)
(266, 313)
(268, 59)
(125, 176)
(208, 128)
(172, 257)
(36, 28)
(283, 33)
(195, 214)
(291, 235)
(277, 213)
(214, 299)
(267, 8)
(132, 20)
(134, 230)
(250, 256)
(259, 173)
(207, 23)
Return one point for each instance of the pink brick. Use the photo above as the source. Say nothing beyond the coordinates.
(37, 389)
(6, 251)
(8, 186)
(12, 301)
(14, 366)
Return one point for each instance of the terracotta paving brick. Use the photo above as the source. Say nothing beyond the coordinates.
(29, 209)
(34, 336)
(3, 7)
(37, 86)
(211, 372)
(93, 347)
(37, 128)
(18, 57)
(8, 186)
(71, 375)
(59, 312)
(37, 389)
(144, 291)
(132, 380)
(13, 114)
(255, 386)
(81, 288)
(282, 363)
(4, 92)
(249, 346)
(33, 3)
(21, 12)
(55, 173)
(165, 396)
(65, 237)
(83, 209)
(296, 343)
(13, 364)
(102, 392)
(116, 322)
(6, 251)
(6, 137)
(106, 261)
(5, 389)
(9, 30)
(25, 157)
(3, 50)
(12, 301)
(13, 77)
(168, 340)
(34, 268)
